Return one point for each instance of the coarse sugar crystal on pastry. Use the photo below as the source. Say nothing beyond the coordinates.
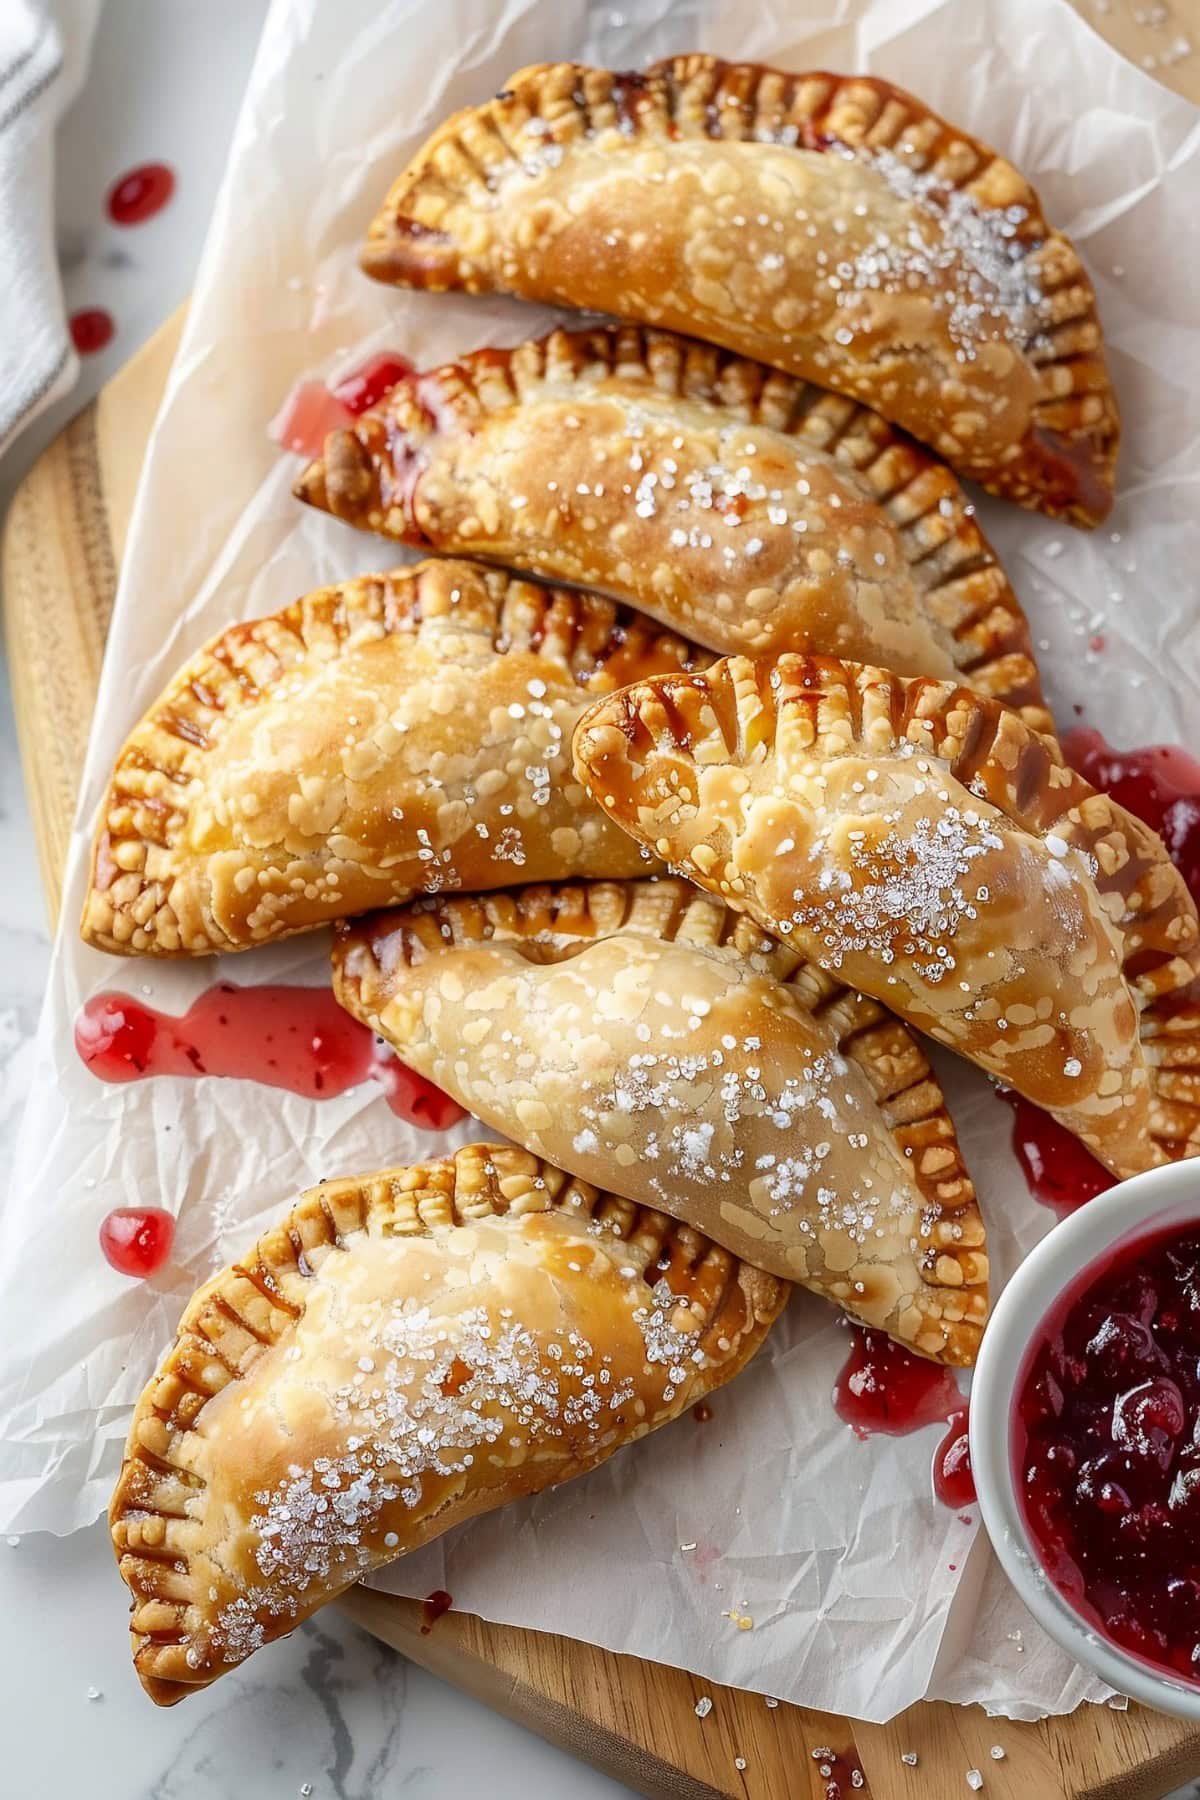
(833, 226)
(403, 1351)
(395, 735)
(647, 1037)
(752, 511)
(923, 844)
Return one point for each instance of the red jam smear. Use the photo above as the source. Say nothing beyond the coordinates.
(91, 329)
(1160, 783)
(1106, 1447)
(1060, 1171)
(137, 1239)
(296, 1038)
(953, 1476)
(140, 193)
(365, 387)
(882, 1387)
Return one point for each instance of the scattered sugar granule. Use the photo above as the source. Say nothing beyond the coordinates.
(703, 1707)
(974, 1780)
(1119, 1702)
(998, 1753)
(771, 1702)
(94, 1693)
(857, 1778)
(739, 1762)
(909, 1758)
(305, 1789)
(13, 1542)
(822, 1753)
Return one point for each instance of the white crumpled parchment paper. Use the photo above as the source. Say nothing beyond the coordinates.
(865, 1593)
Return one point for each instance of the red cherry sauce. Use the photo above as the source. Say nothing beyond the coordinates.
(1160, 783)
(137, 1239)
(91, 329)
(140, 193)
(882, 1387)
(1059, 1170)
(306, 418)
(1106, 1447)
(434, 1607)
(953, 1477)
(296, 1038)
(366, 386)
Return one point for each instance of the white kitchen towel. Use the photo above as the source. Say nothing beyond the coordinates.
(44, 48)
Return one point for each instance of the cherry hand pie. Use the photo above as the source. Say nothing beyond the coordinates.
(832, 226)
(752, 511)
(648, 1038)
(396, 735)
(403, 1351)
(924, 845)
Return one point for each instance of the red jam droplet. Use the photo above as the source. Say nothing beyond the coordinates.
(365, 387)
(953, 1477)
(137, 1239)
(91, 330)
(1160, 783)
(1106, 1447)
(140, 193)
(1061, 1172)
(434, 1607)
(306, 418)
(884, 1388)
(296, 1038)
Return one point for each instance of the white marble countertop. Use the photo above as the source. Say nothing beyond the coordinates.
(331, 1712)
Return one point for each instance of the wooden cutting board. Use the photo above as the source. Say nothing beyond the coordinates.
(62, 547)
(636, 1720)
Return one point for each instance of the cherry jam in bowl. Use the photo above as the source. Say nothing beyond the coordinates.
(1085, 1435)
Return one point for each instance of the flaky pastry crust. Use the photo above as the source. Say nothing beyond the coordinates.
(924, 844)
(751, 511)
(402, 1352)
(833, 226)
(646, 1036)
(389, 736)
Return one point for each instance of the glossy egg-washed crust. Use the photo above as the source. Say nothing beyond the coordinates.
(774, 737)
(902, 1248)
(539, 1252)
(358, 748)
(627, 192)
(591, 457)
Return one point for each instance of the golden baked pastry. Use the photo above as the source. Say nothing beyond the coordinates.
(646, 1037)
(386, 737)
(923, 844)
(833, 226)
(754, 512)
(401, 1352)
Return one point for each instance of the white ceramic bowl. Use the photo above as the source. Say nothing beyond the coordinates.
(1131, 1210)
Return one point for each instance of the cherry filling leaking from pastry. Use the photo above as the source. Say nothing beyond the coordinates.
(312, 410)
(296, 1038)
(1060, 1171)
(140, 193)
(884, 1388)
(1106, 1447)
(1160, 783)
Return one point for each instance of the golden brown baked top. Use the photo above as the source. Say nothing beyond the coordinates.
(833, 226)
(646, 1037)
(403, 1351)
(924, 844)
(752, 511)
(396, 735)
